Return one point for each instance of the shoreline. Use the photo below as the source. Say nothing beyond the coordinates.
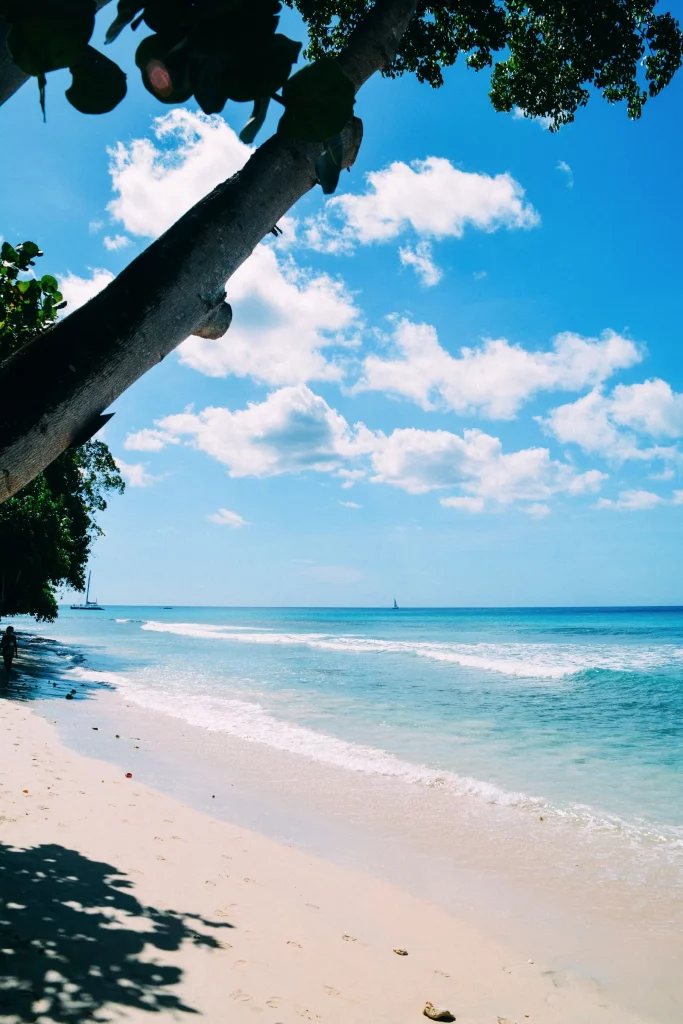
(607, 954)
(278, 931)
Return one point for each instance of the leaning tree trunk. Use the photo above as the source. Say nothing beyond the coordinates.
(54, 391)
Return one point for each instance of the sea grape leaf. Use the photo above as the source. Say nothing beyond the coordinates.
(165, 69)
(98, 83)
(255, 122)
(49, 35)
(127, 9)
(328, 166)
(318, 100)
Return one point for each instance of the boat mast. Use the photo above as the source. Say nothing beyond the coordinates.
(87, 590)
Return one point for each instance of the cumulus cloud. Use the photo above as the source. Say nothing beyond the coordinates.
(157, 183)
(224, 517)
(610, 424)
(284, 316)
(148, 440)
(465, 504)
(136, 474)
(421, 260)
(519, 114)
(350, 504)
(537, 511)
(115, 243)
(431, 196)
(293, 430)
(632, 501)
(419, 461)
(494, 379)
(79, 290)
(283, 319)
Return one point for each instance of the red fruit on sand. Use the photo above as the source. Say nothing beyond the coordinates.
(129, 775)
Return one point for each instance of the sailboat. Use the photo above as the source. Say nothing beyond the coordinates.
(89, 606)
(395, 608)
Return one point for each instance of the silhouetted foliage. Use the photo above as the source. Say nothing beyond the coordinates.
(47, 529)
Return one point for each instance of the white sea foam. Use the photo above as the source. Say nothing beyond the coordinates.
(531, 661)
(250, 721)
(90, 675)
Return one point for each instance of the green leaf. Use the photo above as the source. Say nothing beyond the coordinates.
(98, 83)
(49, 283)
(328, 166)
(255, 122)
(127, 9)
(9, 254)
(254, 70)
(47, 35)
(318, 100)
(165, 70)
(30, 250)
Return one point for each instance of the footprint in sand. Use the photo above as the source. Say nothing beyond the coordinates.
(240, 997)
(240, 965)
(331, 991)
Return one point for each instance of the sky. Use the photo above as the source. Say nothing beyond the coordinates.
(457, 382)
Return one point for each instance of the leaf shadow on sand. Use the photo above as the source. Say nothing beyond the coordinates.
(76, 944)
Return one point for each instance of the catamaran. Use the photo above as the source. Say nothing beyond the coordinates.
(89, 606)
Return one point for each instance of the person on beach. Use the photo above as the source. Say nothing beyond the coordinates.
(8, 643)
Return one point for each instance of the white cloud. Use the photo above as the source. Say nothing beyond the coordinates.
(495, 378)
(350, 504)
(431, 196)
(419, 461)
(537, 511)
(291, 431)
(115, 243)
(609, 424)
(283, 318)
(79, 290)
(632, 501)
(466, 504)
(224, 517)
(479, 275)
(420, 259)
(136, 474)
(351, 477)
(519, 114)
(148, 440)
(156, 184)
(94, 226)
(294, 430)
(565, 169)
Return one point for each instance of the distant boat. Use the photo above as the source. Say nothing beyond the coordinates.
(395, 608)
(168, 607)
(89, 606)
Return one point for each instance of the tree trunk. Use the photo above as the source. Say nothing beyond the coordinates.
(53, 392)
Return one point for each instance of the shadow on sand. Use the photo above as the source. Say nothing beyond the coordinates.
(74, 940)
(41, 672)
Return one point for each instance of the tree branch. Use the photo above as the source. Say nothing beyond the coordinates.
(55, 387)
(12, 77)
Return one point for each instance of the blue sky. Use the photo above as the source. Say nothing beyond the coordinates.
(458, 382)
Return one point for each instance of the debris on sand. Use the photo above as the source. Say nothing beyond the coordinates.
(401, 952)
(129, 775)
(434, 1014)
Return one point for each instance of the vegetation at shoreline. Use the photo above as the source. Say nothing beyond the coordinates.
(47, 529)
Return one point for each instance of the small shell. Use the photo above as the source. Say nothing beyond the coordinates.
(431, 1011)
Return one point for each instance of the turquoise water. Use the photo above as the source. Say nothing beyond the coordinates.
(577, 711)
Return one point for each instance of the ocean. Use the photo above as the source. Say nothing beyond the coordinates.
(579, 711)
(536, 751)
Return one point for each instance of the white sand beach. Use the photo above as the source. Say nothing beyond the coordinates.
(121, 903)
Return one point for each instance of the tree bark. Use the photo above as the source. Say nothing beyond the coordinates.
(12, 77)
(54, 391)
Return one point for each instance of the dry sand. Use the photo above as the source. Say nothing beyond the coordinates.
(119, 902)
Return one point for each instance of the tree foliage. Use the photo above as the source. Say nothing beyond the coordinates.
(47, 529)
(545, 55)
